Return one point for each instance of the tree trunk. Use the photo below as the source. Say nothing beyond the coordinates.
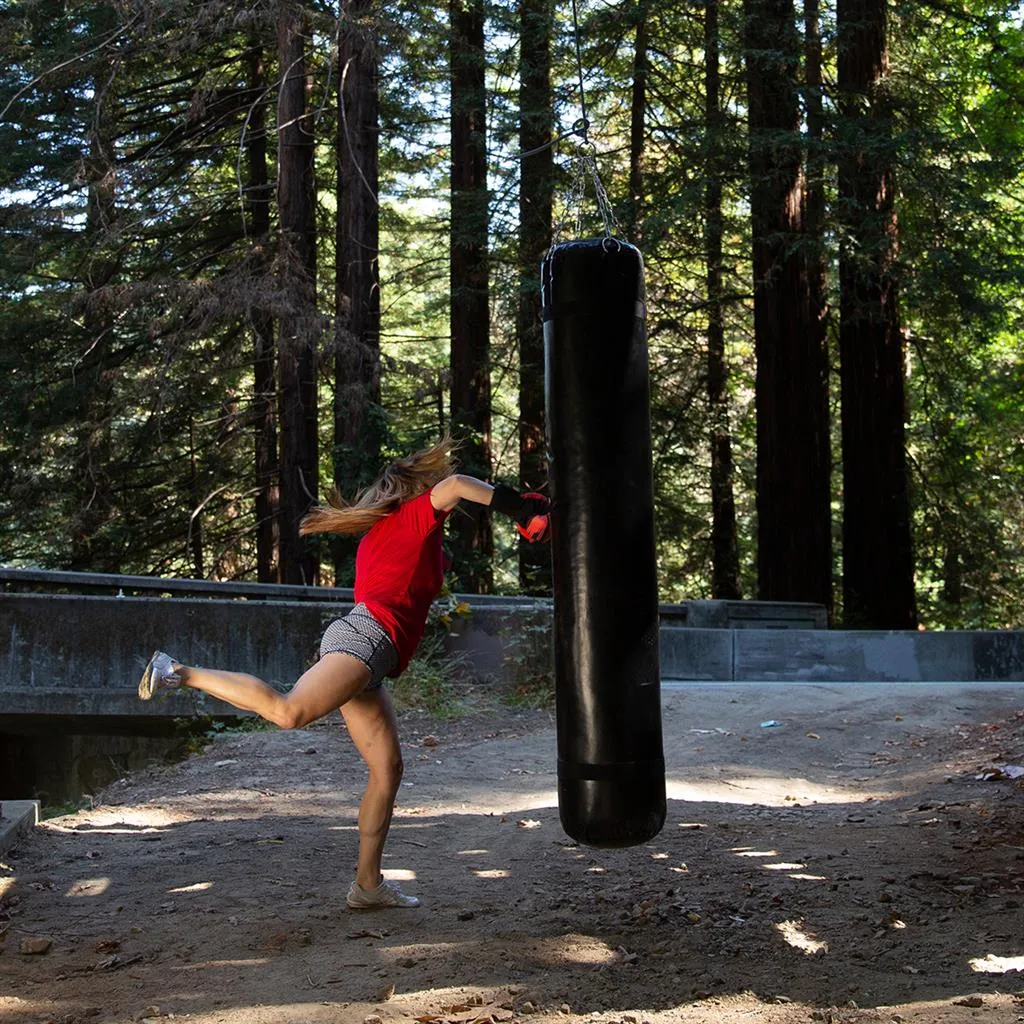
(878, 568)
(264, 384)
(814, 250)
(91, 550)
(196, 547)
(470, 321)
(297, 329)
(637, 112)
(358, 418)
(536, 187)
(725, 564)
(793, 451)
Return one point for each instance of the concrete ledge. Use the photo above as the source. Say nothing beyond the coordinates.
(84, 702)
(704, 654)
(844, 656)
(751, 655)
(80, 655)
(73, 654)
(753, 615)
(17, 819)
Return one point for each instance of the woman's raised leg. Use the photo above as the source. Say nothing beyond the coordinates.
(334, 680)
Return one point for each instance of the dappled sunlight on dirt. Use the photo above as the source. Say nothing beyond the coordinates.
(795, 879)
(769, 790)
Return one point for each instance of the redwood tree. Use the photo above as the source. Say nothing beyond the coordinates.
(358, 420)
(97, 372)
(793, 453)
(536, 185)
(264, 366)
(298, 326)
(878, 573)
(725, 568)
(469, 291)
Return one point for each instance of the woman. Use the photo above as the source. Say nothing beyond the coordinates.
(399, 572)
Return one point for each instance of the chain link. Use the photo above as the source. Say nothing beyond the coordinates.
(584, 168)
(611, 224)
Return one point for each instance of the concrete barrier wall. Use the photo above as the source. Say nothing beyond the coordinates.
(67, 654)
(70, 654)
(841, 656)
(836, 655)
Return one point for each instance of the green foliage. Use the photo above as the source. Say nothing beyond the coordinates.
(534, 691)
(431, 680)
(200, 730)
(527, 659)
(58, 810)
(437, 677)
(131, 281)
(962, 233)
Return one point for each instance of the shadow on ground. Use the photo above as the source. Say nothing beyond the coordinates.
(189, 896)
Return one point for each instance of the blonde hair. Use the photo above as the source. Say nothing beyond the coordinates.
(403, 479)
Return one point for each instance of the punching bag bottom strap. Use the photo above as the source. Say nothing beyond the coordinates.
(618, 771)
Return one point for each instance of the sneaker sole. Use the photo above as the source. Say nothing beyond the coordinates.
(147, 684)
(382, 906)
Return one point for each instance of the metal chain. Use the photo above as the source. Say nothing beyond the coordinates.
(573, 204)
(603, 203)
(584, 167)
(584, 164)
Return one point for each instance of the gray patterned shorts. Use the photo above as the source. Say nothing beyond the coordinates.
(362, 636)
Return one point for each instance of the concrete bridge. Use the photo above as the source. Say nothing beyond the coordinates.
(73, 645)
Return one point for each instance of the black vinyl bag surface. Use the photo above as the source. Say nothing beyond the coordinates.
(611, 768)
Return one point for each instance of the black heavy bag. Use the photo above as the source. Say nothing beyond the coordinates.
(611, 769)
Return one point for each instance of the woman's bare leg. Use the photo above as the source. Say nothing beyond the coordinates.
(371, 722)
(334, 680)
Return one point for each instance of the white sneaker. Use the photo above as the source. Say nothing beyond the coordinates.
(159, 675)
(387, 894)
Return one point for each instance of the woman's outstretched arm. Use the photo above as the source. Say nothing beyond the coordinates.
(530, 511)
(444, 496)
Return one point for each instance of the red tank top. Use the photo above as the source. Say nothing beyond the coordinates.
(399, 572)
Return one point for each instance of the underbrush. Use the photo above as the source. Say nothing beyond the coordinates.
(199, 732)
(436, 680)
(528, 662)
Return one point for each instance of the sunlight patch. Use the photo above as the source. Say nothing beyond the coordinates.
(398, 874)
(89, 887)
(197, 887)
(582, 949)
(768, 791)
(256, 961)
(122, 821)
(542, 801)
(491, 873)
(783, 866)
(746, 851)
(794, 934)
(992, 964)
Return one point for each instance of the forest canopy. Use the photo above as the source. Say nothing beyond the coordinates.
(253, 250)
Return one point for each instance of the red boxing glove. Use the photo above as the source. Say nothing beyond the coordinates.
(538, 527)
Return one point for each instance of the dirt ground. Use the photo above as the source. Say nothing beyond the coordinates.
(861, 860)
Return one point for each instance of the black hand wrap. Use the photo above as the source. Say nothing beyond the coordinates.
(510, 502)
